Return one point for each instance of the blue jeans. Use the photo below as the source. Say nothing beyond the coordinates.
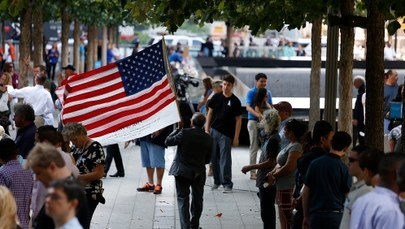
(152, 155)
(222, 159)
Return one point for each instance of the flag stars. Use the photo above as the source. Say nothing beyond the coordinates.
(142, 70)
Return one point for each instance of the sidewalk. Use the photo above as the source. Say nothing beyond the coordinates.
(127, 208)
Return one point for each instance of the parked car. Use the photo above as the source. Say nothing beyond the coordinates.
(193, 43)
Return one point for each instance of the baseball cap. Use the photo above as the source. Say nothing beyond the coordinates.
(283, 106)
(69, 66)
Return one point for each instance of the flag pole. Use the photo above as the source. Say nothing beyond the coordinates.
(170, 77)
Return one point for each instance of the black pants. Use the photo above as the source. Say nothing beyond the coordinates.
(267, 209)
(51, 71)
(92, 204)
(113, 151)
(330, 220)
(298, 218)
(183, 200)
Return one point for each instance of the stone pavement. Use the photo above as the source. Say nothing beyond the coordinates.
(127, 208)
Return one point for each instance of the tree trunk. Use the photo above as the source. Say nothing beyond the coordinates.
(3, 35)
(315, 78)
(90, 48)
(111, 35)
(229, 43)
(25, 46)
(76, 45)
(65, 36)
(104, 47)
(374, 76)
(95, 43)
(38, 35)
(346, 71)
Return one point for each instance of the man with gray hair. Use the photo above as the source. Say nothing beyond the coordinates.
(358, 113)
(48, 165)
(193, 152)
(24, 120)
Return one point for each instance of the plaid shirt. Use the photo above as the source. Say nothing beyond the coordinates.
(20, 182)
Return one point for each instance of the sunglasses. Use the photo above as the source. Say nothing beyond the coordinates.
(351, 160)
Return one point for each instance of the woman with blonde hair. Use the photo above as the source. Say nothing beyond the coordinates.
(8, 210)
(267, 162)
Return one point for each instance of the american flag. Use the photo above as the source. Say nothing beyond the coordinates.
(123, 100)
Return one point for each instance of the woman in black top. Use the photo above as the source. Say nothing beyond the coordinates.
(90, 159)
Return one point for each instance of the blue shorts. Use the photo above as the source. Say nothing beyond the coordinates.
(152, 155)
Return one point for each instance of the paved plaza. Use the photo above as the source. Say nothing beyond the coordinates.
(127, 208)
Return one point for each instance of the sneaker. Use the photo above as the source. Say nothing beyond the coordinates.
(146, 188)
(227, 190)
(214, 186)
(158, 189)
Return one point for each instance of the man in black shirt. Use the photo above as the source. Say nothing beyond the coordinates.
(224, 120)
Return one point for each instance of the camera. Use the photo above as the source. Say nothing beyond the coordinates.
(182, 81)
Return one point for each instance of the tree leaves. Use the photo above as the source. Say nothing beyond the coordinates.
(393, 26)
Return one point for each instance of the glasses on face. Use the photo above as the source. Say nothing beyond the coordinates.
(351, 160)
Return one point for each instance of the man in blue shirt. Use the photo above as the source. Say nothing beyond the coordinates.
(390, 91)
(381, 207)
(254, 117)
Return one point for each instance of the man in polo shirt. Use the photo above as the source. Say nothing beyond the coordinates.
(24, 121)
(254, 117)
(325, 186)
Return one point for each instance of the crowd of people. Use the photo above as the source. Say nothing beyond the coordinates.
(270, 48)
(53, 177)
(52, 184)
(315, 179)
